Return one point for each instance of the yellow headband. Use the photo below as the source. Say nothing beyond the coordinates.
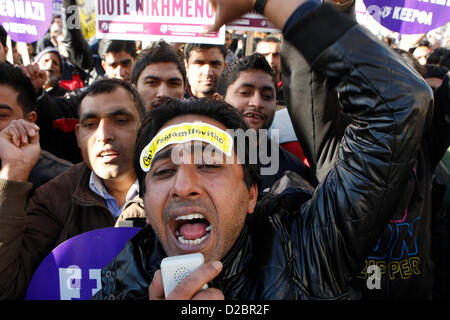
(184, 132)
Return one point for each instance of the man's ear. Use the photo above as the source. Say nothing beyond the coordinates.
(31, 116)
(217, 96)
(253, 198)
(103, 64)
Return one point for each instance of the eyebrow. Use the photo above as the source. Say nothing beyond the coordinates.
(150, 77)
(205, 61)
(5, 106)
(120, 112)
(120, 62)
(251, 85)
(164, 154)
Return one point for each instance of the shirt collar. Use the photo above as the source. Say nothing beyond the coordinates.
(97, 186)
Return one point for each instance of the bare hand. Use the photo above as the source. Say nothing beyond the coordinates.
(276, 11)
(191, 286)
(37, 76)
(19, 150)
(229, 10)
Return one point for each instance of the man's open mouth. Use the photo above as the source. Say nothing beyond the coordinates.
(192, 229)
(254, 115)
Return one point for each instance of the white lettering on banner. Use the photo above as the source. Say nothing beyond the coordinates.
(20, 28)
(412, 15)
(438, 2)
(70, 282)
(160, 8)
(96, 274)
(22, 9)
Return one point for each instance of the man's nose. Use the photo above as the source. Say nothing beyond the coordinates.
(207, 69)
(186, 182)
(163, 90)
(121, 72)
(104, 132)
(256, 100)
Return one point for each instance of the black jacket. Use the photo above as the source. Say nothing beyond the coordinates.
(47, 168)
(403, 250)
(303, 243)
(57, 118)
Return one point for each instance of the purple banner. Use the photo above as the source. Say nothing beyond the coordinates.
(409, 16)
(26, 20)
(72, 270)
(57, 7)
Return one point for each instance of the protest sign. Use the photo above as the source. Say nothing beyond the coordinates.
(409, 16)
(56, 7)
(72, 270)
(171, 20)
(87, 17)
(253, 22)
(26, 20)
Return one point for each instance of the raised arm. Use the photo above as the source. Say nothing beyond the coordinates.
(313, 106)
(79, 51)
(389, 106)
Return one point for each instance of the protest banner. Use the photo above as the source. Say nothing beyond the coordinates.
(72, 270)
(171, 20)
(87, 17)
(56, 7)
(409, 16)
(253, 22)
(26, 20)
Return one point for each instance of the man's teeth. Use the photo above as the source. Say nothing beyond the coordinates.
(193, 242)
(251, 115)
(183, 240)
(190, 216)
(106, 154)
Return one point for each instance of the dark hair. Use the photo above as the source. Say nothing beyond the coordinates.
(435, 71)
(440, 57)
(16, 79)
(216, 109)
(109, 85)
(115, 46)
(412, 61)
(270, 39)
(3, 36)
(160, 51)
(54, 18)
(202, 46)
(231, 72)
(436, 55)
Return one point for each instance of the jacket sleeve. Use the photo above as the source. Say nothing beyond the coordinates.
(314, 110)
(13, 197)
(388, 104)
(317, 120)
(28, 233)
(437, 137)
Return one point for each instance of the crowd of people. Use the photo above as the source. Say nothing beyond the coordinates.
(356, 174)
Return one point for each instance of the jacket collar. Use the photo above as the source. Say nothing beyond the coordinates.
(82, 194)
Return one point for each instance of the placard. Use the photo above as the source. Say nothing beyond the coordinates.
(409, 16)
(26, 20)
(171, 20)
(72, 270)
